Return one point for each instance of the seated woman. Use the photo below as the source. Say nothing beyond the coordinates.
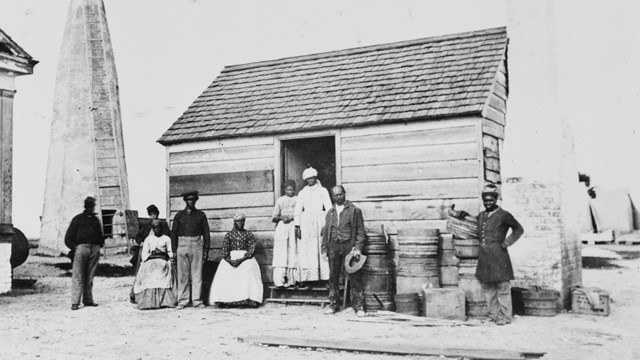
(237, 282)
(154, 283)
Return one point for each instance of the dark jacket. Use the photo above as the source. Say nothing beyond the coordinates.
(350, 228)
(494, 263)
(190, 224)
(85, 228)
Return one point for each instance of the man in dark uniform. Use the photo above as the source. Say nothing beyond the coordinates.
(142, 234)
(191, 239)
(494, 269)
(343, 233)
(85, 238)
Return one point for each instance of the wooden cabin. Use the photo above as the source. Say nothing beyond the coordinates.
(408, 128)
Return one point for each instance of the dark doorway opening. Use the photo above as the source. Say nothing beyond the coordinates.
(107, 222)
(319, 153)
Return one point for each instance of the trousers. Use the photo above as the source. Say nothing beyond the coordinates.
(85, 263)
(498, 298)
(190, 259)
(337, 251)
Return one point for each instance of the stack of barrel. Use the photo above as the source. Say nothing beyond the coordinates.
(417, 259)
(467, 246)
(417, 267)
(378, 275)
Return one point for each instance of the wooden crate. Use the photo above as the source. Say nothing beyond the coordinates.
(580, 303)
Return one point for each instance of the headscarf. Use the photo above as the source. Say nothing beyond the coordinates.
(308, 173)
(156, 223)
(240, 216)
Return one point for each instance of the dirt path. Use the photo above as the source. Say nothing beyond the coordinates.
(38, 323)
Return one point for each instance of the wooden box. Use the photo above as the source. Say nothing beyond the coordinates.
(580, 303)
(445, 303)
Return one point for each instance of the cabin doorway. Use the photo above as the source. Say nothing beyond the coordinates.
(317, 152)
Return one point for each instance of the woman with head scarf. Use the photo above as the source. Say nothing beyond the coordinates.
(154, 283)
(311, 206)
(237, 282)
(285, 248)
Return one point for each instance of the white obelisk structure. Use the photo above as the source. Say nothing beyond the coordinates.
(86, 150)
(539, 167)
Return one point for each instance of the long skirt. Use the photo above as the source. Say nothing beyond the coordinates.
(285, 255)
(155, 284)
(236, 285)
(312, 266)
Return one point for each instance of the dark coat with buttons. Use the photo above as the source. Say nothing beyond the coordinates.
(494, 263)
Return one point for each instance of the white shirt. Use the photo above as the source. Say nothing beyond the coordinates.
(339, 209)
(152, 242)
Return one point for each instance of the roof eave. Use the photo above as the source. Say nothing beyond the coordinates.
(318, 128)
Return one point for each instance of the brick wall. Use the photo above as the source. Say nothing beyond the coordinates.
(5, 268)
(549, 252)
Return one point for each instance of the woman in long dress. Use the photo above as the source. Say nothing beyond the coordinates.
(237, 282)
(154, 283)
(312, 204)
(285, 247)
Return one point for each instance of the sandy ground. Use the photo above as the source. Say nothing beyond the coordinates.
(37, 323)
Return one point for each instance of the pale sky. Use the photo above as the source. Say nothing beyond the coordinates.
(168, 51)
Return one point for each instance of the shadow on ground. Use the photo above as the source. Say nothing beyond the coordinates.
(104, 269)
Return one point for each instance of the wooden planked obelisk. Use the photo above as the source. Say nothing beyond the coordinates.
(86, 150)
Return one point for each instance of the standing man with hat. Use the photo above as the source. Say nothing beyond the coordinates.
(494, 269)
(344, 237)
(85, 238)
(190, 239)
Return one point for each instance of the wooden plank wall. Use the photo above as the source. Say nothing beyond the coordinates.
(409, 175)
(493, 123)
(231, 175)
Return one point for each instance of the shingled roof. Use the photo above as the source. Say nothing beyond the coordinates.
(412, 80)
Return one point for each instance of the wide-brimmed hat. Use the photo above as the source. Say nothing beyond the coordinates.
(353, 263)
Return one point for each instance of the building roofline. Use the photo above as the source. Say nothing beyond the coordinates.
(364, 49)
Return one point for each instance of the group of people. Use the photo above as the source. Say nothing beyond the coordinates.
(316, 239)
(168, 263)
(313, 238)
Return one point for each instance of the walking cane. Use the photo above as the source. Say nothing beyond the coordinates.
(346, 287)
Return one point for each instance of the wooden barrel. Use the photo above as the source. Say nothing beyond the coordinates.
(467, 268)
(408, 303)
(376, 244)
(417, 260)
(540, 302)
(477, 309)
(474, 299)
(466, 248)
(378, 275)
(463, 229)
(19, 249)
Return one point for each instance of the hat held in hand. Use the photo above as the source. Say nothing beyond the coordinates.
(353, 262)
